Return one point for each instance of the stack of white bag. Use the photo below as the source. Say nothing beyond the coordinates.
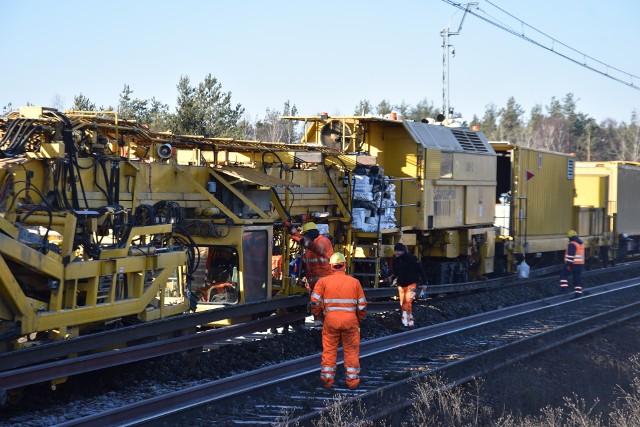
(362, 188)
(358, 216)
(388, 219)
(378, 198)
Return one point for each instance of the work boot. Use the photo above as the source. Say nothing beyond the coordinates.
(410, 322)
(577, 296)
(405, 318)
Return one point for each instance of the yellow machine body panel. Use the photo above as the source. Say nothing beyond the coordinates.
(591, 190)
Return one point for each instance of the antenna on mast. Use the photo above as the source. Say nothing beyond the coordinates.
(445, 33)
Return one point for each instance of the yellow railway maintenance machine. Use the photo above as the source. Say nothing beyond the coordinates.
(72, 256)
(105, 222)
(437, 191)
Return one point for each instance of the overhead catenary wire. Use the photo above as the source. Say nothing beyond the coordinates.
(574, 56)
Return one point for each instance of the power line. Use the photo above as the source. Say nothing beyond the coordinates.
(571, 54)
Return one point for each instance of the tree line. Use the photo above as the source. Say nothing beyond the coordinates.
(558, 126)
(203, 109)
(206, 109)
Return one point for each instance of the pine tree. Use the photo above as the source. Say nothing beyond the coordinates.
(206, 110)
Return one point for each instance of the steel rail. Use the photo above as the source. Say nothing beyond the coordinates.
(46, 352)
(463, 371)
(13, 377)
(163, 408)
(78, 365)
(482, 285)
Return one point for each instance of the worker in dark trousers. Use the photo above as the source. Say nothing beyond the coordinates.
(407, 274)
(339, 298)
(574, 258)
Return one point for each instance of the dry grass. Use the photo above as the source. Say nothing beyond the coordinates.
(339, 414)
(436, 404)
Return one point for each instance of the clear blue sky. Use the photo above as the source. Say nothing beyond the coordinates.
(321, 55)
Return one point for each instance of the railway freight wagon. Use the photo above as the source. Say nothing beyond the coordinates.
(441, 183)
(612, 187)
(534, 206)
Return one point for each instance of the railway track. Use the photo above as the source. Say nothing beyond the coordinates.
(169, 328)
(290, 392)
(132, 335)
(243, 333)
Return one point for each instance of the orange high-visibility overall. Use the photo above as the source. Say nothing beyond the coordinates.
(340, 299)
(316, 257)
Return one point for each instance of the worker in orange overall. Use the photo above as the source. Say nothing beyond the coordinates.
(340, 299)
(573, 264)
(317, 251)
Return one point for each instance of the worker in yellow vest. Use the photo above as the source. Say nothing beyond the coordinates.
(574, 258)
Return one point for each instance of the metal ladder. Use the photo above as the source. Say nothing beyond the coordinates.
(373, 242)
(367, 268)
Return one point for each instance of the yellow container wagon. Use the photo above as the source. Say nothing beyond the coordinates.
(612, 187)
(534, 205)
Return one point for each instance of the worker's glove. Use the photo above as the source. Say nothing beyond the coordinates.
(292, 228)
(568, 268)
